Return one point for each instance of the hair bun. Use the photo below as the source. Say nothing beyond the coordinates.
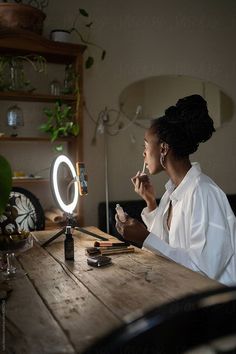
(192, 106)
(193, 113)
(171, 111)
(186, 124)
(192, 100)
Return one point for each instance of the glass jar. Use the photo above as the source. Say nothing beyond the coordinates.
(55, 87)
(14, 118)
(69, 81)
(16, 75)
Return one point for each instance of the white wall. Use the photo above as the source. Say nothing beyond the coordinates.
(155, 37)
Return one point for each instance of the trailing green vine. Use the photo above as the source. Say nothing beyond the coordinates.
(60, 122)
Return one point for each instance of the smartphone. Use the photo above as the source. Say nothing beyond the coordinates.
(83, 178)
(98, 261)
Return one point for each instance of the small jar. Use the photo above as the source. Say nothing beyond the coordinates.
(55, 87)
(69, 82)
(16, 75)
(15, 118)
(60, 35)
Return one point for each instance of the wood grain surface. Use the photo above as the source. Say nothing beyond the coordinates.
(64, 306)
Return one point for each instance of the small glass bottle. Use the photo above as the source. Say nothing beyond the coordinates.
(16, 75)
(69, 245)
(55, 88)
(15, 119)
(69, 81)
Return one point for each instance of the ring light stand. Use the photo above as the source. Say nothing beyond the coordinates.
(67, 208)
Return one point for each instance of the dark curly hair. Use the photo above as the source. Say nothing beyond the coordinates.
(185, 125)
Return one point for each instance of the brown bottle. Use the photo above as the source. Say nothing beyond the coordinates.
(69, 245)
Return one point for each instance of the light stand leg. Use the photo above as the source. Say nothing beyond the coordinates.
(106, 181)
(90, 233)
(59, 233)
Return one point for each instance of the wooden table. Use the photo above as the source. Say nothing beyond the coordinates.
(62, 307)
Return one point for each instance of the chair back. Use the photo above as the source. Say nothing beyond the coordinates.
(177, 327)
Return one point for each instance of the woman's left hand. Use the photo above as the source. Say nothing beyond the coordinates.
(132, 230)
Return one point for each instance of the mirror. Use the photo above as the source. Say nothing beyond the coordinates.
(155, 94)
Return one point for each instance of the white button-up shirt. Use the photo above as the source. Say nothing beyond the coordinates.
(202, 234)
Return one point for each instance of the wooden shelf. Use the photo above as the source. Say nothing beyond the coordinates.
(17, 181)
(34, 138)
(25, 42)
(34, 97)
(15, 43)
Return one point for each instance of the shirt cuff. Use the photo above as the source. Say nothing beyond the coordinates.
(155, 244)
(148, 216)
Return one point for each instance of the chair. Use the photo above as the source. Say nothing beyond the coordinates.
(178, 327)
(134, 209)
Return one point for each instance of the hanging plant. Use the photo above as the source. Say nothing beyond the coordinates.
(12, 74)
(84, 32)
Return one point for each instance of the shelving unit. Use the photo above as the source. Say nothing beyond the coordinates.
(34, 97)
(24, 43)
(18, 182)
(33, 138)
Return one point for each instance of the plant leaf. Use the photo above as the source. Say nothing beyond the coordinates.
(59, 148)
(89, 62)
(46, 127)
(5, 182)
(75, 129)
(89, 24)
(103, 55)
(83, 12)
(54, 135)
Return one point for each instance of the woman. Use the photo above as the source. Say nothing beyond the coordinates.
(194, 224)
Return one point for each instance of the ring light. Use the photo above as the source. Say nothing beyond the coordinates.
(67, 208)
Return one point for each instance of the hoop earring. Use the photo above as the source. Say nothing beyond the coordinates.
(162, 161)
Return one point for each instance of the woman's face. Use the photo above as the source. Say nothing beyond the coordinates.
(151, 153)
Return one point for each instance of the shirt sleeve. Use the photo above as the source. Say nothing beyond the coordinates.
(149, 217)
(210, 248)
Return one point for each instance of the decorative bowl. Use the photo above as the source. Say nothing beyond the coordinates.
(13, 242)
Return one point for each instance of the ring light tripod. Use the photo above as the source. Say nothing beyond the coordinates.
(68, 208)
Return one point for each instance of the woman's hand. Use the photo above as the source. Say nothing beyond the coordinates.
(132, 230)
(144, 188)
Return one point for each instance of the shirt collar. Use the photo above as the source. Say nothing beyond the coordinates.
(176, 193)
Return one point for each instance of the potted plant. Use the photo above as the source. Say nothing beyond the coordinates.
(5, 182)
(83, 33)
(60, 122)
(23, 14)
(12, 238)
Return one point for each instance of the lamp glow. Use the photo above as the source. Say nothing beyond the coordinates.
(67, 208)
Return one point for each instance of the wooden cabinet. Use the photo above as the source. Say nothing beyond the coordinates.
(31, 145)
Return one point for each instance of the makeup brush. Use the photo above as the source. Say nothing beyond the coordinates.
(143, 170)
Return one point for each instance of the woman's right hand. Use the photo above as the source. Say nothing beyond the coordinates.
(144, 188)
(132, 230)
